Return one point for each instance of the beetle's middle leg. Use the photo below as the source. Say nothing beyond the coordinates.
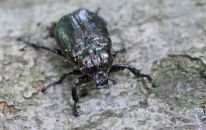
(81, 80)
(135, 71)
(51, 29)
(61, 79)
(114, 53)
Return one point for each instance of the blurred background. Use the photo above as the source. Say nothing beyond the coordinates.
(164, 38)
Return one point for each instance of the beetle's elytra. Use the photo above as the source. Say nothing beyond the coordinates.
(82, 37)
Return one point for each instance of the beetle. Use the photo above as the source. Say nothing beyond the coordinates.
(83, 38)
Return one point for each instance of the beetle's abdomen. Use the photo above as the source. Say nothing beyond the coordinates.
(82, 33)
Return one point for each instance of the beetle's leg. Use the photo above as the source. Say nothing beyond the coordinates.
(64, 76)
(37, 46)
(97, 13)
(135, 71)
(119, 51)
(97, 10)
(50, 30)
(81, 80)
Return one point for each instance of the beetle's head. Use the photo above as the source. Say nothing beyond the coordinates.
(97, 66)
(101, 79)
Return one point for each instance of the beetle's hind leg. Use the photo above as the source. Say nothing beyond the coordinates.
(61, 79)
(135, 71)
(97, 10)
(38, 46)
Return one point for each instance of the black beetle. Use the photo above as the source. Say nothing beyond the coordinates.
(83, 38)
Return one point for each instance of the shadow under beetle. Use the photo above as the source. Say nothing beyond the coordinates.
(83, 38)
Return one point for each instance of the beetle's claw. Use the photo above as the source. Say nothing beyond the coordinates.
(149, 78)
(77, 106)
(75, 113)
(204, 111)
(44, 91)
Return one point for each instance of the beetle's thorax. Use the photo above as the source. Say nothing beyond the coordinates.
(94, 62)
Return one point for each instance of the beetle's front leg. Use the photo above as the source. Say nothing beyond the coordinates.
(61, 79)
(81, 80)
(135, 71)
